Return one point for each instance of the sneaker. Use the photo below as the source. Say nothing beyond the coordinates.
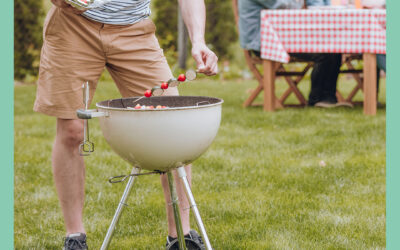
(193, 242)
(75, 242)
(328, 104)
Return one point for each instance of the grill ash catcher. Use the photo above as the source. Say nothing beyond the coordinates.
(157, 140)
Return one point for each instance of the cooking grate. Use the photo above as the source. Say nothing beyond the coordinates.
(169, 101)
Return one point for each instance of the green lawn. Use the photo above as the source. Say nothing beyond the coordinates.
(259, 186)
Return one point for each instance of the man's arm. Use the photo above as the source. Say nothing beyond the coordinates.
(194, 16)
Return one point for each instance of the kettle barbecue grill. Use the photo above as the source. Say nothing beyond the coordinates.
(159, 140)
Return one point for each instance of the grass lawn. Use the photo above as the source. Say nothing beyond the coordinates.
(261, 185)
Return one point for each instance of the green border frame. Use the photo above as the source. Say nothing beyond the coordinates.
(392, 127)
(7, 126)
(7, 132)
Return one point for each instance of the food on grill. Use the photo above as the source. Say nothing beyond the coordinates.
(138, 106)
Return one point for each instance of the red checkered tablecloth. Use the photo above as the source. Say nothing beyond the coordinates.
(322, 31)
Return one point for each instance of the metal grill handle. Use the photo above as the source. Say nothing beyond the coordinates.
(86, 147)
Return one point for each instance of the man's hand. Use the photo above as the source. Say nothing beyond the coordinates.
(63, 5)
(194, 15)
(207, 61)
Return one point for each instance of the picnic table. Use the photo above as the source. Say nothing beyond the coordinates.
(352, 31)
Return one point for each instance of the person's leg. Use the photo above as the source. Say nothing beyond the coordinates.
(381, 61)
(381, 65)
(136, 63)
(328, 69)
(316, 83)
(69, 173)
(70, 56)
(323, 77)
(184, 207)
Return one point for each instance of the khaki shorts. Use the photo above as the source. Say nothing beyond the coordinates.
(76, 50)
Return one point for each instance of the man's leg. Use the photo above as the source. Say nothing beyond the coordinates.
(327, 72)
(69, 173)
(184, 207)
(71, 55)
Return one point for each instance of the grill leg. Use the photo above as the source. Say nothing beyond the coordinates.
(120, 207)
(177, 216)
(182, 175)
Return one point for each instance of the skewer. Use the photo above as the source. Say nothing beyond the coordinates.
(190, 75)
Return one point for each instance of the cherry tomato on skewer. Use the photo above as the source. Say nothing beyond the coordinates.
(147, 93)
(181, 77)
(164, 85)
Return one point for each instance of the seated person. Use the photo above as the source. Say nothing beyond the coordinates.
(381, 61)
(326, 66)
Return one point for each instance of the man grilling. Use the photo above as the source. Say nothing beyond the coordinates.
(77, 46)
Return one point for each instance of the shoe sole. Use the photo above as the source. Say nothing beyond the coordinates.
(334, 105)
(325, 105)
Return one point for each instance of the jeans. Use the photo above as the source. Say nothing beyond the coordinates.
(381, 61)
(323, 77)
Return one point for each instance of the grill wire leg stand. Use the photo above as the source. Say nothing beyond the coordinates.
(120, 207)
(182, 175)
(177, 216)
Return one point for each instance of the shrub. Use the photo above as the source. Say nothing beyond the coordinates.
(28, 16)
(220, 26)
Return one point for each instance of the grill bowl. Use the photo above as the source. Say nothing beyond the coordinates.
(160, 139)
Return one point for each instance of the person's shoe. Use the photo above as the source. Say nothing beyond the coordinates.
(193, 242)
(75, 242)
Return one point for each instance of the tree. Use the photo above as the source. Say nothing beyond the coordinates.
(28, 16)
(220, 25)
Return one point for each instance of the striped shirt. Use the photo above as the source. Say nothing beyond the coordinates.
(121, 12)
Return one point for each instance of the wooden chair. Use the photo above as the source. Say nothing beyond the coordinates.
(357, 74)
(294, 77)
